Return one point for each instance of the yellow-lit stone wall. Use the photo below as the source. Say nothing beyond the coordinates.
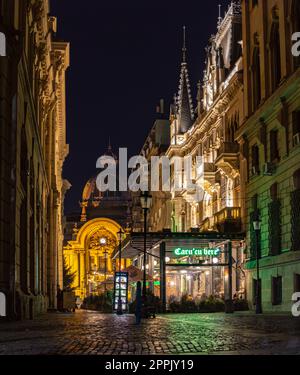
(33, 150)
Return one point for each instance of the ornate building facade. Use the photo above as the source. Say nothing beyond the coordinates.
(270, 149)
(33, 149)
(207, 132)
(92, 237)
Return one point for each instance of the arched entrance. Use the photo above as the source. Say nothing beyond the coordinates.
(89, 256)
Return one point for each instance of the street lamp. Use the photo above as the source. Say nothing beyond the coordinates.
(146, 200)
(258, 307)
(120, 310)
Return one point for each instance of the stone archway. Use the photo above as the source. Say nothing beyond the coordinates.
(90, 256)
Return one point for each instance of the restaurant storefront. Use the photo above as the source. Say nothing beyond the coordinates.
(190, 265)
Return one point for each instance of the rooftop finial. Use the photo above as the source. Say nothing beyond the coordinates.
(184, 45)
(109, 144)
(220, 17)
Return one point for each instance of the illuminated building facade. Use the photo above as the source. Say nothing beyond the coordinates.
(93, 235)
(33, 149)
(270, 150)
(207, 132)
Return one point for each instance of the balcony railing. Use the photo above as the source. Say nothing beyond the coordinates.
(228, 213)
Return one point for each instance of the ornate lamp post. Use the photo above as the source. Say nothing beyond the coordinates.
(120, 310)
(146, 200)
(257, 228)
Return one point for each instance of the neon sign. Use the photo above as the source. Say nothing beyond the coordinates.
(179, 252)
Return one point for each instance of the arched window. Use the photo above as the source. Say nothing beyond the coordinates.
(296, 178)
(275, 56)
(256, 78)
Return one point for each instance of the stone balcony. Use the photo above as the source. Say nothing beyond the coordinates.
(227, 157)
(226, 220)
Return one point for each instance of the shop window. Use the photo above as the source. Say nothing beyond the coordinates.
(274, 221)
(255, 160)
(275, 58)
(276, 290)
(274, 149)
(256, 79)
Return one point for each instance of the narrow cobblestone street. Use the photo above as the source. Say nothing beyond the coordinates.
(94, 333)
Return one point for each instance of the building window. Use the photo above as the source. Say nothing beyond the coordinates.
(274, 222)
(276, 290)
(275, 56)
(295, 212)
(256, 79)
(296, 283)
(296, 128)
(255, 160)
(274, 150)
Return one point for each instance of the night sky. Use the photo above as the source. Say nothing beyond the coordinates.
(125, 56)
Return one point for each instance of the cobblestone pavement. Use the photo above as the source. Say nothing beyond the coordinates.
(87, 332)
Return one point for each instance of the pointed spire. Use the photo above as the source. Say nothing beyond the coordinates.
(220, 17)
(184, 46)
(184, 104)
(109, 144)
